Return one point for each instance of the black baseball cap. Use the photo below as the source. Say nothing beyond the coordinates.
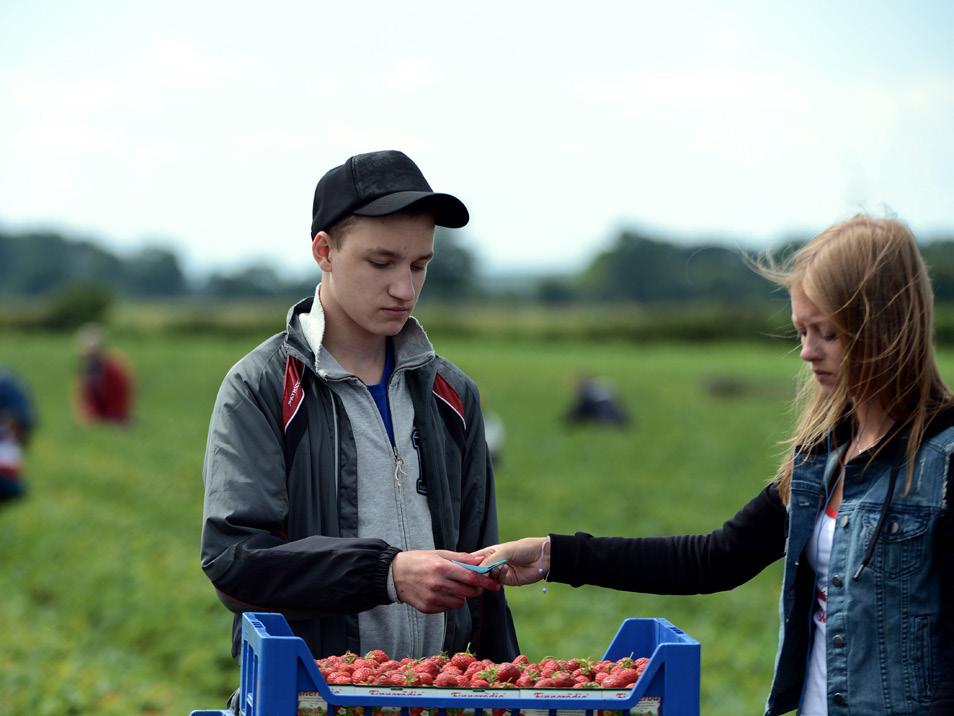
(378, 184)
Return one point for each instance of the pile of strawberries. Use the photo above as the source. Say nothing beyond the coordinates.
(464, 670)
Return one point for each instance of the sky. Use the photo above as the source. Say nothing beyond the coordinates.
(204, 126)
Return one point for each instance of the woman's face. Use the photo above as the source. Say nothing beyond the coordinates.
(821, 345)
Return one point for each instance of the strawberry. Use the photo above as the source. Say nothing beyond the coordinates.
(507, 672)
(463, 659)
(525, 681)
(446, 680)
(624, 663)
(362, 675)
(521, 660)
(612, 682)
(424, 678)
(489, 674)
(562, 679)
(473, 668)
(478, 683)
(627, 675)
(379, 656)
(545, 683)
(428, 667)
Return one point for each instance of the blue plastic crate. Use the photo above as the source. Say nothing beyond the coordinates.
(277, 669)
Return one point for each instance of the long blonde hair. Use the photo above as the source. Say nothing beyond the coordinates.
(867, 275)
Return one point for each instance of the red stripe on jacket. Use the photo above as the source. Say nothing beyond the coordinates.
(444, 391)
(292, 397)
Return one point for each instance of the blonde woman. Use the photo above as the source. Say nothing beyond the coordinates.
(860, 508)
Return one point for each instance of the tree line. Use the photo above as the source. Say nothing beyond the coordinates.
(636, 267)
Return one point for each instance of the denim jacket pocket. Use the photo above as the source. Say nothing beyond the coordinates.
(924, 663)
(901, 543)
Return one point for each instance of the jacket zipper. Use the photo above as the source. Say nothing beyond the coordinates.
(400, 472)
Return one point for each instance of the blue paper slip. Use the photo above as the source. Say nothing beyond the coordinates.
(481, 569)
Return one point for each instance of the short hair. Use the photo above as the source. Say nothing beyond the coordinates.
(339, 230)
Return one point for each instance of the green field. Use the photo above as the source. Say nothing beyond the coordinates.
(106, 610)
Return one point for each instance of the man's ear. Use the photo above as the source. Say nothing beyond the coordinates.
(321, 250)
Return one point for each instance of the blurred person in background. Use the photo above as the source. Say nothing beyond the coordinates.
(17, 420)
(596, 403)
(346, 464)
(860, 507)
(496, 435)
(104, 388)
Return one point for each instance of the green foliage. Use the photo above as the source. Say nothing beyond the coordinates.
(41, 263)
(646, 270)
(452, 273)
(106, 610)
(79, 304)
(154, 272)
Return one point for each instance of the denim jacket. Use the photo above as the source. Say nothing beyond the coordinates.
(884, 599)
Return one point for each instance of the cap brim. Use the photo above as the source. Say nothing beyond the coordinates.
(448, 210)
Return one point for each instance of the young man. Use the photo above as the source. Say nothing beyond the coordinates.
(346, 464)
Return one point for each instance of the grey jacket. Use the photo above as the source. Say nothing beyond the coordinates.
(282, 527)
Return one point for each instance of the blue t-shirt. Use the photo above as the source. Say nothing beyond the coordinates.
(379, 391)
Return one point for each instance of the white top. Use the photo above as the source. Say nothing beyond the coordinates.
(11, 455)
(815, 693)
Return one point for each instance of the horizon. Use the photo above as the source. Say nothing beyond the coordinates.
(205, 127)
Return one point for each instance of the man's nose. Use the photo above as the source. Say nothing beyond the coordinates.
(402, 287)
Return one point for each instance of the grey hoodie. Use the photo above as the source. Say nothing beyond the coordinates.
(389, 505)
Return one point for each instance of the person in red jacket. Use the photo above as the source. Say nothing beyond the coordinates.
(104, 388)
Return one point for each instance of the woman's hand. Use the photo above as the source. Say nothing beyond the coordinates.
(528, 560)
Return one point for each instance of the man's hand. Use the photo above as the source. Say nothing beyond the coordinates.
(528, 560)
(431, 583)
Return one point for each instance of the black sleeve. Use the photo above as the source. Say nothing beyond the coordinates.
(245, 552)
(687, 564)
(943, 701)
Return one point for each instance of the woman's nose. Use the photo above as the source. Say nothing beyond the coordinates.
(809, 350)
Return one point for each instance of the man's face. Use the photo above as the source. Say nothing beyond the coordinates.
(374, 272)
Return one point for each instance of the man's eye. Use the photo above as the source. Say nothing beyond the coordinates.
(379, 264)
(418, 267)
